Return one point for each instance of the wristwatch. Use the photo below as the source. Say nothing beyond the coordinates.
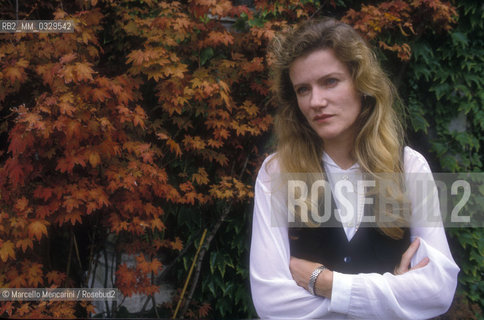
(313, 277)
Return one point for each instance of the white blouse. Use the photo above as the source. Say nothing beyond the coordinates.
(418, 294)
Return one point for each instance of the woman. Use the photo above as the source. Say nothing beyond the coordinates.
(336, 119)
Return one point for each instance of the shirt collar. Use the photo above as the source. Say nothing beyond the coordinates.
(330, 163)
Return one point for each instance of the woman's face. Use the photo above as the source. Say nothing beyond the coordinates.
(326, 95)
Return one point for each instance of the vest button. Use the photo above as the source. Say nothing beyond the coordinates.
(347, 259)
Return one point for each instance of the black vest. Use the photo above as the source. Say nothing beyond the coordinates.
(370, 250)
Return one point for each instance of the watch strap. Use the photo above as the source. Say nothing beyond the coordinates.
(313, 277)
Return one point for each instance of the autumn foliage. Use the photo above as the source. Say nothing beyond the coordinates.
(148, 107)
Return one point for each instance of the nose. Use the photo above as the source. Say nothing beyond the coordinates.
(318, 98)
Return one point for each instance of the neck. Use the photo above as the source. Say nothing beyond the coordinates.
(341, 153)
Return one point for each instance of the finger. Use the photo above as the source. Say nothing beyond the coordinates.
(292, 262)
(425, 261)
(407, 255)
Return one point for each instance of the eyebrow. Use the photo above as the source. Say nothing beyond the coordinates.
(328, 75)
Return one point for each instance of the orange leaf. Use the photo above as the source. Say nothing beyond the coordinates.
(34, 274)
(43, 193)
(100, 94)
(25, 243)
(201, 177)
(21, 204)
(73, 129)
(13, 74)
(67, 164)
(162, 136)
(7, 250)
(68, 58)
(174, 147)
(24, 309)
(37, 229)
(94, 159)
(83, 71)
(177, 244)
(157, 224)
(156, 266)
(139, 117)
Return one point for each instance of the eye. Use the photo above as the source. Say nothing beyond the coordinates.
(302, 90)
(331, 82)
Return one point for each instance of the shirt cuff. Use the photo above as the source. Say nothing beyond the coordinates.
(341, 292)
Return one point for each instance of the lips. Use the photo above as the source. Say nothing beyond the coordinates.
(322, 117)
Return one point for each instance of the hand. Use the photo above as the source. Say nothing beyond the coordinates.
(302, 269)
(407, 256)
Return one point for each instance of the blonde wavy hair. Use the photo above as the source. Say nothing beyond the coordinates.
(378, 145)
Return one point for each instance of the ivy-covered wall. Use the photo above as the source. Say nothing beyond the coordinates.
(444, 92)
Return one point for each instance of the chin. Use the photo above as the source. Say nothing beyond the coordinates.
(328, 136)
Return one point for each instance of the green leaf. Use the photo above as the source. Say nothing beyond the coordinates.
(213, 261)
(459, 39)
(211, 287)
(206, 55)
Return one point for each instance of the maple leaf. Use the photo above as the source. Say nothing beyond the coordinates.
(89, 307)
(91, 206)
(216, 38)
(43, 193)
(94, 159)
(37, 229)
(195, 143)
(99, 94)
(71, 202)
(215, 143)
(16, 280)
(203, 310)
(55, 277)
(73, 129)
(139, 117)
(175, 70)
(156, 266)
(14, 74)
(74, 217)
(157, 224)
(201, 177)
(142, 264)
(7, 307)
(7, 250)
(68, 58)
(33, 274)
(67, 164)
(24, 309)
(17, 222)
(32, 119)
(150, 209)
(24, 244)
(256, 65)
(67, 73)
(21, 204)
(19, 142)
(136, 57)
(126, 280)
(162, 136)
(174, 147)
(177, 244)
(44, 211)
